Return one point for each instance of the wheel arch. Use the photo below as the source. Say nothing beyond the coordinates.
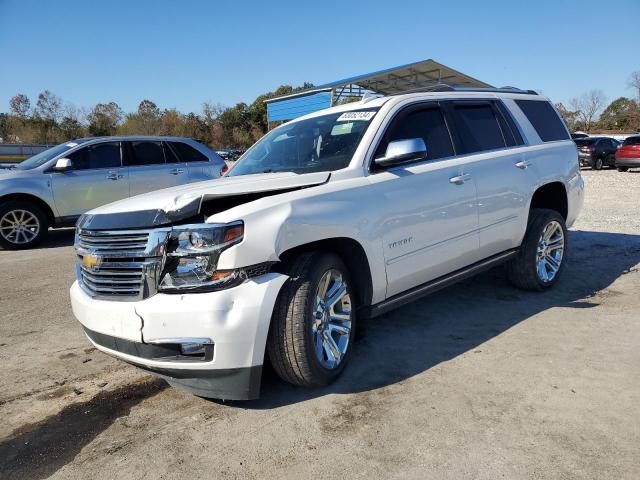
(26, 197)
(553, 196)
(354, 256)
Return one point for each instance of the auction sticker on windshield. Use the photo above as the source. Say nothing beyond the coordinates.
(356, 116)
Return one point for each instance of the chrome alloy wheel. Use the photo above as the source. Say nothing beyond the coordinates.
(550, 251)
(331, 323)
(19, 226)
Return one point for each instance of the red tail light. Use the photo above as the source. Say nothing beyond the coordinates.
(224, 169)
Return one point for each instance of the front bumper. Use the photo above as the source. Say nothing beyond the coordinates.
(143, 333)
(627, 162)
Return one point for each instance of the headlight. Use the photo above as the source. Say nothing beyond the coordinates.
(192, 257)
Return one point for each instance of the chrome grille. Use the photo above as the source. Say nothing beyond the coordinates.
(120, 265)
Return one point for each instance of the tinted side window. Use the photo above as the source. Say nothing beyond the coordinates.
(509, 128)
(478, 127)
(169, 154)
(187, 153)
(103, 155)
(427, 124)
(146, 153)
(544, 119)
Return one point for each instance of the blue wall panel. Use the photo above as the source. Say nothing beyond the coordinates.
(296, 107)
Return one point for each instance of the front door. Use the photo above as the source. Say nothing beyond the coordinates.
(96, 178)
(430, 218)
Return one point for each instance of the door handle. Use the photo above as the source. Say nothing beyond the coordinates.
(114, 176)
(176, 171)
(523, 164)
(460, 179)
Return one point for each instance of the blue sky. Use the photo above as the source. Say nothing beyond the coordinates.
(181, 53)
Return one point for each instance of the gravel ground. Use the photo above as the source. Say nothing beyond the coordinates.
(477, 381)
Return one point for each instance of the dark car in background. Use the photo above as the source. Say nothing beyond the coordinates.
(597, 152)
(628, 155)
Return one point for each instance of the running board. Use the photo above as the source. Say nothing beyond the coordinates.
(434, 285)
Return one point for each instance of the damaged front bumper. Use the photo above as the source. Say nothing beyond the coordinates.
(210, 344)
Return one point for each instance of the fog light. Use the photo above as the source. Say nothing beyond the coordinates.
(192, 348)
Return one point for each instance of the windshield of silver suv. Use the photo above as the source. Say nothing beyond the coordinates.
(43, 157)
(318, 144)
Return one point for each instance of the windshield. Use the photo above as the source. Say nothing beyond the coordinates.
(319, 144)
(43, 157)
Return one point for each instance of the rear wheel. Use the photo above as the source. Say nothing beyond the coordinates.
(540, 260)
(623, 169)
(597, 164)
(22, 225)
(313, 321)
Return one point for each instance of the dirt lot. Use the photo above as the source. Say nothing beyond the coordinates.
(478, 381)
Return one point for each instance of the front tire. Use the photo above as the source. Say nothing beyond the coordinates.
(542, 254)
(313, 323)
(22, 225)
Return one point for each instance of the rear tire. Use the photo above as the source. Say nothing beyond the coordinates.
(623, 169)
(22, 225)
(542, 255)
(298, 345)
(597, 164)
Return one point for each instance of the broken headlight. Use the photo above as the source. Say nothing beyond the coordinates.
(192, 258)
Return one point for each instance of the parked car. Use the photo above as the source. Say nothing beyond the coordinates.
(597, 152)
(575, 136)
(54, 187)
(336, 216)
(628, 155)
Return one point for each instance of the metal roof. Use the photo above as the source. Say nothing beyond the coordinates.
(409, 76)
(384, 82)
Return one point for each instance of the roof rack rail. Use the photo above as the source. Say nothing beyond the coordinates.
(443, 87)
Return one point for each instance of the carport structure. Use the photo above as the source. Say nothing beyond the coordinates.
(426, 73)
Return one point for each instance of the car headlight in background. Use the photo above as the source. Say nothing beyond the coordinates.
(192, 258)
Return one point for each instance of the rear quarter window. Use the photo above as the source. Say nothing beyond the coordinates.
(544, 119)
(187, 153)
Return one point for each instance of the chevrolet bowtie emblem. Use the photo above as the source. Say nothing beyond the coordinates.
(91, 261)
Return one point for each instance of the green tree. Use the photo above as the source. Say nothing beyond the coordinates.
(104, 119)
(619, 114)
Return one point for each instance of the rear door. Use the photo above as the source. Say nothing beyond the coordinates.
(491, 144)
(198, 164)
(96, 178)
(152, 166)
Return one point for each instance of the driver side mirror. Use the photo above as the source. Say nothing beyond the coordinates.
(403, 151)
(62, 165)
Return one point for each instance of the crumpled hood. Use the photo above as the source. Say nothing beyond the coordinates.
(170, 205)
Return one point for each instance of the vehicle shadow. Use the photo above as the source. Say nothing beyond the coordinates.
(440, 327)
(62, 237)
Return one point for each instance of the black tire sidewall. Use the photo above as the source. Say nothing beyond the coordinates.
(598, 163)
(36, 211)
(324, 263)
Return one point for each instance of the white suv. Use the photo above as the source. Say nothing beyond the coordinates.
(342, 214)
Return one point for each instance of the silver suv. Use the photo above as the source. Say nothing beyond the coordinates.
(55, 187)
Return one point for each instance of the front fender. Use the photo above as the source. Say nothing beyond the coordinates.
(272, 231)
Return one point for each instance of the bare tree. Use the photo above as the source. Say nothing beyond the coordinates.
(634, 82)
(587, 107)
(20, 106)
